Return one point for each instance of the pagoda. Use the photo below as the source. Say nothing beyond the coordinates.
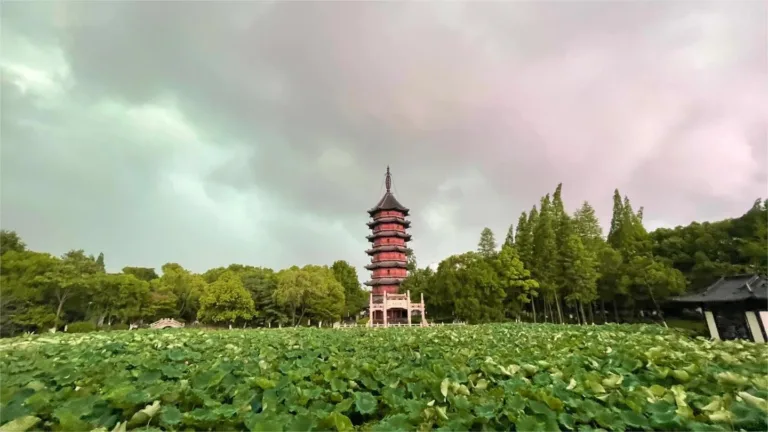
(387, 306)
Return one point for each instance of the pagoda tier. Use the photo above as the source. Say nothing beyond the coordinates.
(387, 220)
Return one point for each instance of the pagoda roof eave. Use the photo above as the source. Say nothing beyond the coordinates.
(387, 264)
(389, 219)
(385, 281)
(388, 202)
(399, 234)
(386, 248)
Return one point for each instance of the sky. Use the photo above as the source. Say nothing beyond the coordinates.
(259, 133)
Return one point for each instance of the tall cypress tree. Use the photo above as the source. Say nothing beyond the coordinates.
(487, 245)
(510, 239)
(545, 252)
(524, 240)
(616, 219)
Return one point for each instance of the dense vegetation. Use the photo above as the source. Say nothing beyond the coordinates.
(553, 266)
(558, 267)
(490, 377)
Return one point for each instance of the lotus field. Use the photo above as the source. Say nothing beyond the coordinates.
(489, 377)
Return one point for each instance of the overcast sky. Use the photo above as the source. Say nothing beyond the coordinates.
(258, 133)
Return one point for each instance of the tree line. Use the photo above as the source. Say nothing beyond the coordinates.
(554, 266)
(39, 291)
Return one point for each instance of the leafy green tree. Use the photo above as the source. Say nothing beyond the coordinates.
(312, 291)
(10, 241)
(162, 302)
(226, 301)
(73, 277)
(578, 265)
(261, 283)
(487, 245)
(24, 304)
(516, 282)
(355, 298)
(100, 262)
(186, 286)
(142, 273)
(127, 296)
(410, 257)
(471, 288)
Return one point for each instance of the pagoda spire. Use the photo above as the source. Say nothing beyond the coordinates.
(388, 180)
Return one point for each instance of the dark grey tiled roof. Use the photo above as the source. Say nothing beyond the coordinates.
(388, 202)
(731, 289)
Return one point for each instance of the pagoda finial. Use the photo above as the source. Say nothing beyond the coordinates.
(388, 181)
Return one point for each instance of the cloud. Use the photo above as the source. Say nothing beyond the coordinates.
(258, 133)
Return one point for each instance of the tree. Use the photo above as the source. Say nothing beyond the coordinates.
(355, 297)
(10, 241)
(578, 270)
(544, 267)
(225, 301)
(25, 304)
(487, 245)
(186, 286)
(516, 282)
(312, 291)
(142, 273)
(510, 239)
(524, 240)
(469, 285)
(261, 283)
(100, 262)
(74, 276)
(122, 296)
(587, 226)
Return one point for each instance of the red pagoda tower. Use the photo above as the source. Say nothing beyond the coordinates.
(389, 262)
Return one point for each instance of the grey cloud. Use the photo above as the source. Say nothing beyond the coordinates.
(479, 108)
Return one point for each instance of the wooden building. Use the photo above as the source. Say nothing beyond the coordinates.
(389, 262)
(735, 307)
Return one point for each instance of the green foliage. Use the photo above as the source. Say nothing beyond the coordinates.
(510, 239)
(225, 301)
(354, 296)
(143, 273)
(10, 241)
(489, 377)
(487, 245)
(311, 291)
(555, 265)
(81, 327)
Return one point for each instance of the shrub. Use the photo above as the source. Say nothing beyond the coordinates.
(118, 326)
(81, 327)
(362, 321)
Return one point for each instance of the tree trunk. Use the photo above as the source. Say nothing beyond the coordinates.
(602, 307)
(592, 312)
(583, 315)
(656, 305)
(58, 311)
(616, 311)
(559, 312)
(533, 306)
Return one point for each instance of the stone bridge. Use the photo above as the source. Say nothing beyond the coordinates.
(166, 323)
